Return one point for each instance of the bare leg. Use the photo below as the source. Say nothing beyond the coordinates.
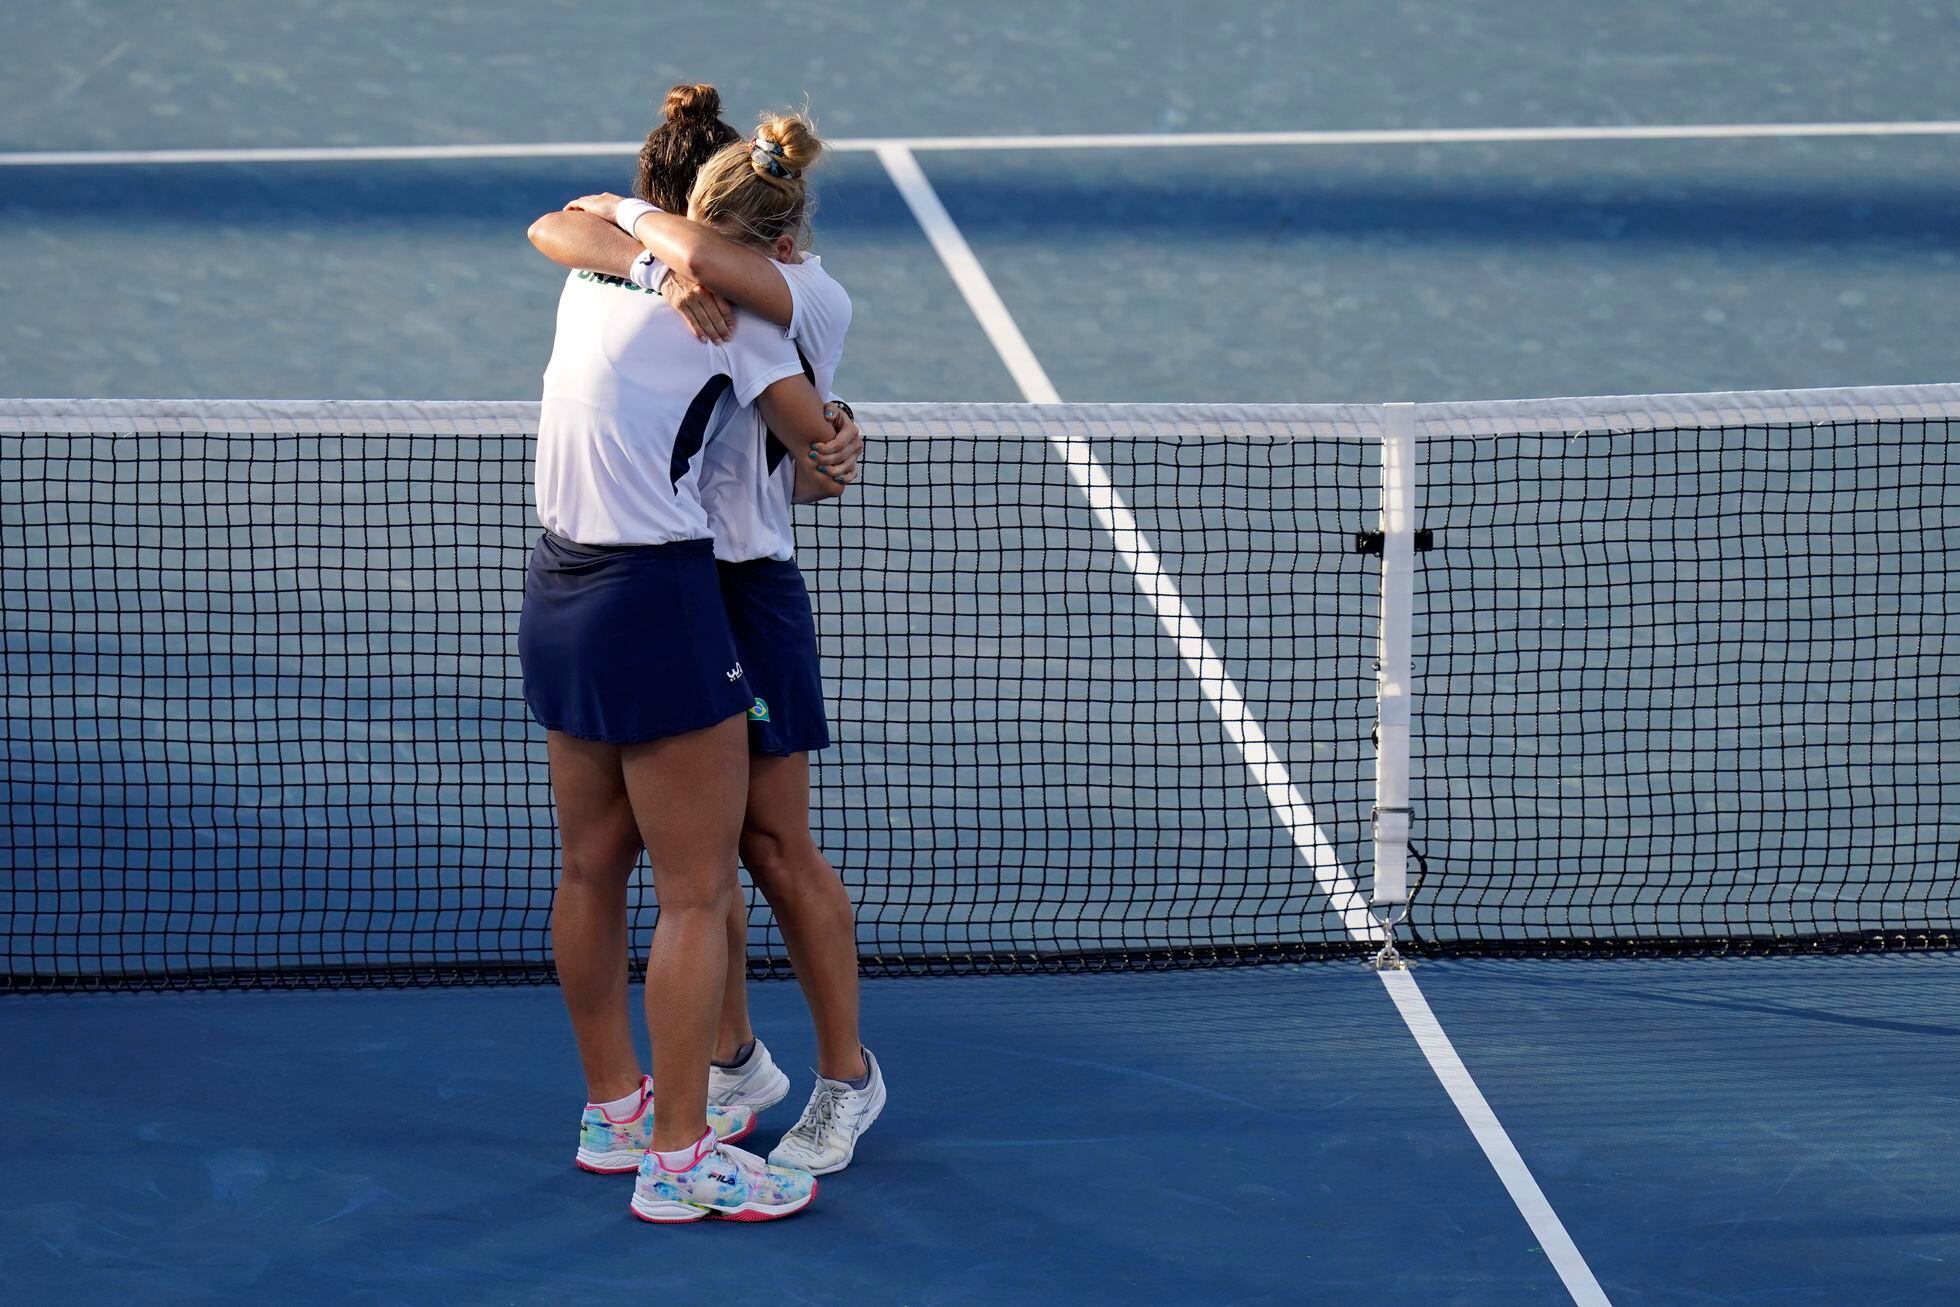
(688, 793)
(735, 1030)
(600, 844)
(811, 904)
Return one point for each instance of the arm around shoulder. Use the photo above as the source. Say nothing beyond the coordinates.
(579, 240)
(738, 273)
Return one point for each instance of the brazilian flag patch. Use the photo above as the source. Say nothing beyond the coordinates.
(759, 710)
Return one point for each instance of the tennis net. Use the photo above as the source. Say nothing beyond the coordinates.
(1102, 679)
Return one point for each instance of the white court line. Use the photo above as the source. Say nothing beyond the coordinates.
(1132, 545)
(1491, 1136)
(1121, 141)
(1114, 516)
(1432, 136)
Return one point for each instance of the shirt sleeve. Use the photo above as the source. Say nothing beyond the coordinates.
(820, 308)
(758, 358)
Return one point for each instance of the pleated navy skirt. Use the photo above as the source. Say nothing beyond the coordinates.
(627, 643)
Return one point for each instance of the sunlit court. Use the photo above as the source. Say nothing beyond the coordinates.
(1286, 654)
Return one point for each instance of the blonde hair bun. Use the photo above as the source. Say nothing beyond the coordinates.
(754, 191)
(797, 137)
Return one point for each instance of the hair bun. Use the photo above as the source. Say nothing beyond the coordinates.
(692, 102)
(796, 135)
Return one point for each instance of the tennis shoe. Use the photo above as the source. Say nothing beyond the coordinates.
(610, 1147)
(724, 1183)
(826, 1137)
(758, 1084)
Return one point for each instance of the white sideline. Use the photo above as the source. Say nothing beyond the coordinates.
(1106, 503)
(1115, 518)
(1109, 141)
(1490, 1135)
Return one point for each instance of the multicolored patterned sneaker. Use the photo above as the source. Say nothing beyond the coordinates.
(758, 1083)
(610, 1147)
(724, 1183)
(825, 1138)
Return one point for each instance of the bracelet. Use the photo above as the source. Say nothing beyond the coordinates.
(840, 404)
(629, 213)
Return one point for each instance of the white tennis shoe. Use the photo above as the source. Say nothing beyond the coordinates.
(723, 1182)
(826, 1137)
(757, 1084)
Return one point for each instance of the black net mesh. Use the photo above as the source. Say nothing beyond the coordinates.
(263, 720)
(1689, 688)
(1101, 683)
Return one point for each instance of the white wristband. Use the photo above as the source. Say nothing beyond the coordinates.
(648, 273)
(630, 212)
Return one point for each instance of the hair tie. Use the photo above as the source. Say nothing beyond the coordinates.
(768, 156)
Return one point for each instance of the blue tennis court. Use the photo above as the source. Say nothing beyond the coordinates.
(1107, 675)
(1709, 1131)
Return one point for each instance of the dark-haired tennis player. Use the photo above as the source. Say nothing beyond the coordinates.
(748, 488)
(630, 664)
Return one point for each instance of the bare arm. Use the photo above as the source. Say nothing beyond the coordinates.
(837, 458)
(796, 414)
(583, 240)
(738, 273)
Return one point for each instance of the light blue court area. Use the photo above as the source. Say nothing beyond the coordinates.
(1713, 1132)
(1419, 269)
(342, 280)
(1459, 271)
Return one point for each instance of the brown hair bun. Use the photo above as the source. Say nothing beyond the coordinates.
(692, 102)
(675, 150)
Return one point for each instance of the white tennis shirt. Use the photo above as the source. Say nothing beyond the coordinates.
(631, 403)
(748, 478)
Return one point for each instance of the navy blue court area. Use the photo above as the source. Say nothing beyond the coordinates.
(1711, 1132)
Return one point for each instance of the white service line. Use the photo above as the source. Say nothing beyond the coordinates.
(1114, 141)
(1133, 546)
(1208, 669)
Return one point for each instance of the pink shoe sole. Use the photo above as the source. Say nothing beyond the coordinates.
(606, 1170)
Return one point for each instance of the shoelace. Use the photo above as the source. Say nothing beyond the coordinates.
(821, 1113)
(744, 1163)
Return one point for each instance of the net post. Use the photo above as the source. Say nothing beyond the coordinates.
(1394, 676)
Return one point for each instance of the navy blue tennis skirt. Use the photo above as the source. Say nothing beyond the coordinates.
(776, 635)
(627, 643)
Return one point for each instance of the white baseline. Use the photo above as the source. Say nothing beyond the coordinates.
(1120, 141)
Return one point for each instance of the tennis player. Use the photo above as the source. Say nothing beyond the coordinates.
(630, 664)
(748, 485)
